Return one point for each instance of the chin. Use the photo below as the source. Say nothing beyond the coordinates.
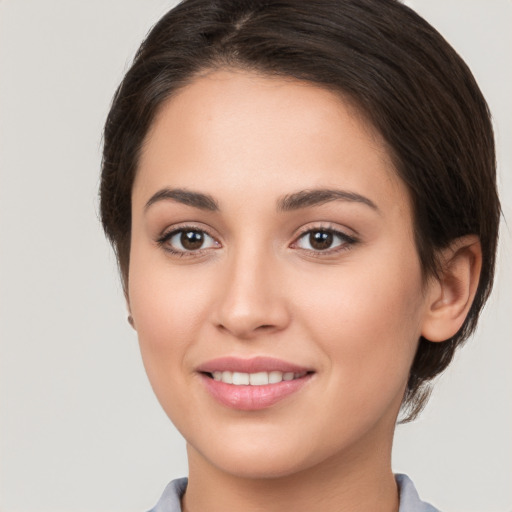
(262, 459)
(263, 465)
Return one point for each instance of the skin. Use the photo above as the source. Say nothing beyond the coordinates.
(353, 313)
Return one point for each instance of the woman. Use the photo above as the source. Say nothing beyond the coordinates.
(302, 200)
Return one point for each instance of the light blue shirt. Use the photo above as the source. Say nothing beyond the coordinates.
(409, 499)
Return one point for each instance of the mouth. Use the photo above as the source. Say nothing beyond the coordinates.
(263, 378)
(252, 384)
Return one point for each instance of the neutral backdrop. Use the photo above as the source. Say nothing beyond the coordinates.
(80, 429)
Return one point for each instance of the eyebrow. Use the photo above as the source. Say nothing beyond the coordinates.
(306, 198)
(289, 202)
(195, 199)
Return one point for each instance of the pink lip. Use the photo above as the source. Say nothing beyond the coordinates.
(252, 365)
(251, 398)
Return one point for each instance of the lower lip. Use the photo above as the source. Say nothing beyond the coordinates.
(253, 398)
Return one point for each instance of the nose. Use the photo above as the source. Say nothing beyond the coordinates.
(252, 297)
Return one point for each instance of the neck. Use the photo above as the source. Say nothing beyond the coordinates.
(355, 482)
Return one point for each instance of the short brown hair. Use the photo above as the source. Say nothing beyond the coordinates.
(395, 67)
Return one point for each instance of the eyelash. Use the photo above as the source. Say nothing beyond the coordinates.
(346, 241)
(167, 236)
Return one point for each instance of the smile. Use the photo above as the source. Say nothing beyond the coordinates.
(252, 384)
(255, 379)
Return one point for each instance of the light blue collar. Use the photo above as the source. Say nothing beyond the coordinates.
(409, 499)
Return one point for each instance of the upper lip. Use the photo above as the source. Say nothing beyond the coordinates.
(250, 365)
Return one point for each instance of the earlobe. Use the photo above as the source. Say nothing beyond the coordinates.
(452, 292)
(130, 317)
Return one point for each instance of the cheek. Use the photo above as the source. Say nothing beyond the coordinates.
(169, 312)
(367, 318)
(168, 306)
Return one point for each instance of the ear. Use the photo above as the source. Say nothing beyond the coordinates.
(130, 317)
(451, 293)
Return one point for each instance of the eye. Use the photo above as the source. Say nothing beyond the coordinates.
(323, 240)
(187, 240)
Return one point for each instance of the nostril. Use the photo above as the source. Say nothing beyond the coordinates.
(242, 330)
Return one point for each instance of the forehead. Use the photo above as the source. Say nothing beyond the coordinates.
(234, 130)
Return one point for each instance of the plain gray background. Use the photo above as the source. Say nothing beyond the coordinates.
(80, 429)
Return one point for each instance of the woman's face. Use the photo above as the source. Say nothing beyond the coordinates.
(272, 240)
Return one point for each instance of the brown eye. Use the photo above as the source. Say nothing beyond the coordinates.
(188, 240)
(319, 240)
(191, 240)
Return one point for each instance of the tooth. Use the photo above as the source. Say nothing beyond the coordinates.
(258, 379)
(275, 377)
(240, 378)
(254, 379)
(227, 377)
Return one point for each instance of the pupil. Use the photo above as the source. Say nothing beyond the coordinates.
(192, 240)
(320, 240)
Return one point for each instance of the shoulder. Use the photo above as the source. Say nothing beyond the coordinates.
(409, 499)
